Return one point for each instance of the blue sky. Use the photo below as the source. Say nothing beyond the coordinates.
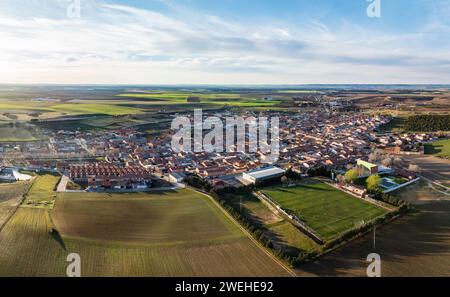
(224, 42)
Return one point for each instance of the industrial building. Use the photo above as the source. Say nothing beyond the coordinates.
(261, 174)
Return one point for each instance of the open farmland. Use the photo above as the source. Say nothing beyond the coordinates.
(15, 134)
(10, 197)
(326, 210)
(179, 233)
(229, 99)
(42, 190)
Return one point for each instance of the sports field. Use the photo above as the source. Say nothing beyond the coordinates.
(179, 233)
(325, 209)
(283, 234)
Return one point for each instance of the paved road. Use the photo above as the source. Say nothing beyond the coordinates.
(62, 184)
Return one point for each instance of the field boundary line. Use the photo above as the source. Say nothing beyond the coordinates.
(308, 231)
(247, 233)
(18, 205)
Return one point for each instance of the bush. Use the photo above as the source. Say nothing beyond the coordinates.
(351, 176)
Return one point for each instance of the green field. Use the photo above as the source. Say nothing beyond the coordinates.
(235, 100)
(15, 134)
(10, 197)
(105, 107)
(86, 108)
(283, 234)
(42, 192)
(439, 148)
(179, 233)
(327, 210)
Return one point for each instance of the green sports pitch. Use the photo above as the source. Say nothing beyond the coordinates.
(325, 209)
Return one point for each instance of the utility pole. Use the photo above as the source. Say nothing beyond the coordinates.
(374, 237)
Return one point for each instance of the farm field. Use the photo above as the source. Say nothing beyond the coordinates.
(10, 197)
(421, 192)
(42, 190)
(15, 134)
(439, 148)
(326, 210)
(216, 99)
(160, 234)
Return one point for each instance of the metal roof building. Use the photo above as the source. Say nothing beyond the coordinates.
(262, 174)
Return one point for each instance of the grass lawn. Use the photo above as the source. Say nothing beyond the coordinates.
(325, 209)
(180, 233)
(283, 233)
(439, 148)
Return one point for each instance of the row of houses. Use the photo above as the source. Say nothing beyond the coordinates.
(108, 176)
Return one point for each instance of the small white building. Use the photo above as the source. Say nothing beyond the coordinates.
(261, 174)
(176, 177)
(12, 175)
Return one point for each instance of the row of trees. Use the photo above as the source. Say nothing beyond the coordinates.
(428, 123)
(293, 257)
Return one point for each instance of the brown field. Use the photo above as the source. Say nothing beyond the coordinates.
(433, 168)
(178, 233)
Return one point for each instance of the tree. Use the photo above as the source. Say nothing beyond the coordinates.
(351, 176)
(373, 183)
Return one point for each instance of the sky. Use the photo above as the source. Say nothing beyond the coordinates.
(224, 42)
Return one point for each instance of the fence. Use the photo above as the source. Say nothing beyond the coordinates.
(295, 220)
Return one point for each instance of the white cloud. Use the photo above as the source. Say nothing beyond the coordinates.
(113, 43)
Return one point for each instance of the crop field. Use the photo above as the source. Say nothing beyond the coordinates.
(216, 99)
(42, 190)
(15, 134)
(58, 109)
(10, 197)
(439, 148)
(325, 209)
(179, 233)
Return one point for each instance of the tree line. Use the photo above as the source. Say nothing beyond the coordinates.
(428, 123)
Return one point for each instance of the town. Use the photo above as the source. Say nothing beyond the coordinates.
(125, 158)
